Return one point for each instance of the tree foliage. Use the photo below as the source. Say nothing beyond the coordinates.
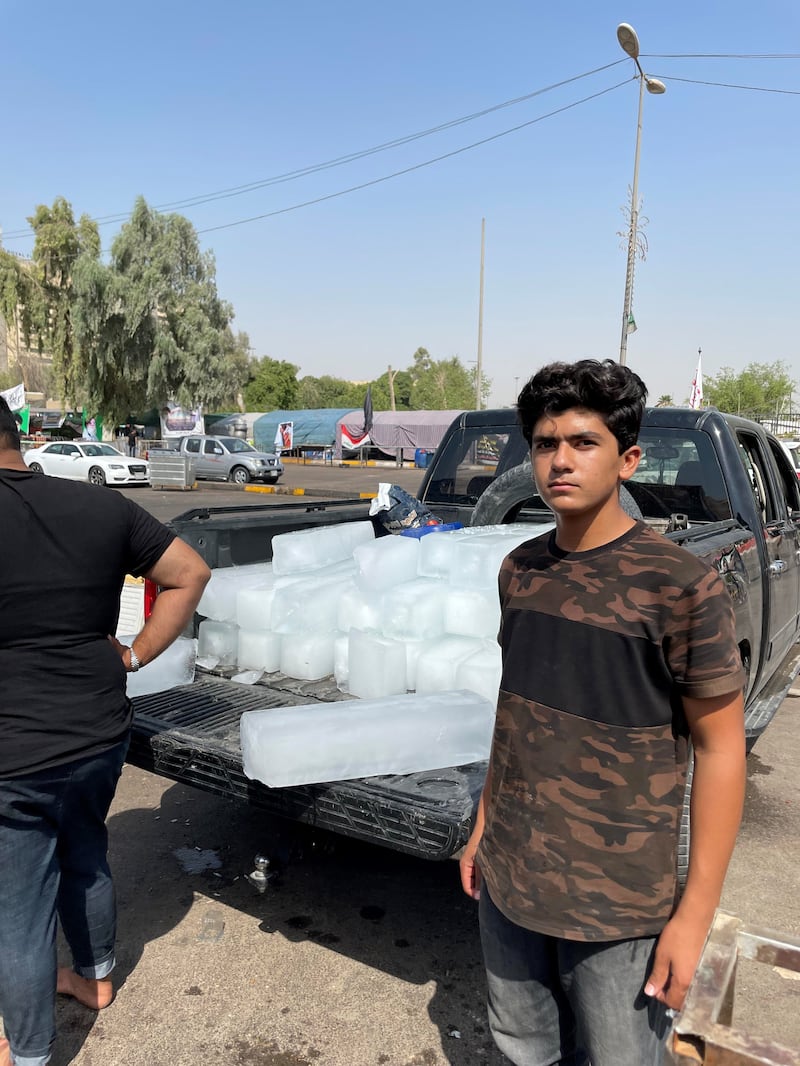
(443, 384)
(328, 391)
(147, 327)
(273, 386)
(760, 389)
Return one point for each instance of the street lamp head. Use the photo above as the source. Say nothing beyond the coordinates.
(655, 86)
(629, 42)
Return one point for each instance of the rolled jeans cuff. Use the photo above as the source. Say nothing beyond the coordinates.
(99, 970)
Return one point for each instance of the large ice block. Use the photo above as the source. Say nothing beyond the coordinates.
(437, 664)
(307, 657)
(218, 640)
(477, 560)
(414, 648)
(259, 650)
(436, 551)
(311, 549)
(172, 667)
(254, 607)
(357, 610)
(377, 666)
(481, 671)
(219, 596)
(310, 604)
(414, 610)
(361, 738)
(471, 612)
(386, 562)
(341, 661)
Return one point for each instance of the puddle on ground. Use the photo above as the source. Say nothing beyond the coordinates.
(196, 860)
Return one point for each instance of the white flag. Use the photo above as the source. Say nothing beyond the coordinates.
(15, 398)
(696, 395)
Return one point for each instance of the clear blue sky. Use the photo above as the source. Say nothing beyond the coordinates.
(172, 100)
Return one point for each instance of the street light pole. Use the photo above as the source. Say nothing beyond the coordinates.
(629, 42)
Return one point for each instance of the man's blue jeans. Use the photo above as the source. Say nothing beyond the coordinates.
(53, 845)
(555, 1002)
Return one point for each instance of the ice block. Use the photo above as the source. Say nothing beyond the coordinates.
(311, 549)
(377, 665)
(310, 743)
(173, 667)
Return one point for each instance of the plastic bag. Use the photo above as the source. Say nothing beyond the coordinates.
(397, 509)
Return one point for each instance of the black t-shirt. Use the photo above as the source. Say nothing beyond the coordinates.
(65, 548)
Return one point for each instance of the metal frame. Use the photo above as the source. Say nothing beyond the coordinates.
(704, 1034)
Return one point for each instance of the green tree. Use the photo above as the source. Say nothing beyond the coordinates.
(328, 391)
(177, 341)
(665, 400)
(273, 386)
(42, 291)
(401, 385)
(760, 389)
(443, 384)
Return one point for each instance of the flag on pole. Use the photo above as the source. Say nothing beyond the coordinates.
(15, 398)
(368, 417)
(696, 395)
(631, 323)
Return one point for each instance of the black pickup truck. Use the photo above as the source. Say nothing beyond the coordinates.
(719, 485)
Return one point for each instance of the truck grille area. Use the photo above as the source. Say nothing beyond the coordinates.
(190, 734)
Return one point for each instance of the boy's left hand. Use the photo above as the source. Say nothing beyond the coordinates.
(676, 956)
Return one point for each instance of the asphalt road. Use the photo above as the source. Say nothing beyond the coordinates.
(311, 479)
(355, 955)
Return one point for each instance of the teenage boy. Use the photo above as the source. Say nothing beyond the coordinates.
(618, 646)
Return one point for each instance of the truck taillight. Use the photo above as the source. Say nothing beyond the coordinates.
(150, 593)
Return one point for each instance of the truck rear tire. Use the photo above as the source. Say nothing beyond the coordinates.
(500, 503)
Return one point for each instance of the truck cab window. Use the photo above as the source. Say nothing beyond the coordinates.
(754, 466)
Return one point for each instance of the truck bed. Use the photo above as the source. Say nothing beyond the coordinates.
(191, 734)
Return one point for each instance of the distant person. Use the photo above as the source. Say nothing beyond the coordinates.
(618, 647)
(64, 726)
(133, 437)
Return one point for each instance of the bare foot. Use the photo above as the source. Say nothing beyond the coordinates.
(92, 993)
(5, 1053)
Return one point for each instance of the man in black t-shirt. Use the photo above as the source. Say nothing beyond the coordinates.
(64, 725)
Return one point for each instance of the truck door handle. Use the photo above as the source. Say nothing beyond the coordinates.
(777, 567)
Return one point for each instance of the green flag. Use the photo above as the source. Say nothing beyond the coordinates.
(631, 323)
(24, 415)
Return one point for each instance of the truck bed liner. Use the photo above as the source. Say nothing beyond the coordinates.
(191, 734)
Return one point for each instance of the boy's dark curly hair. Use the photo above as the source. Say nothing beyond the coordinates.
(609, 390)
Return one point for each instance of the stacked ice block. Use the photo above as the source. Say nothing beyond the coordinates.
(384, 616)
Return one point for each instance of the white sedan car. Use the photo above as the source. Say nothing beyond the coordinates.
(100, 464)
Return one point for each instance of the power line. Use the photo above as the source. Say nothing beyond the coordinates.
(729, 85)
(238, 190)
(416, 166)
(721, 55)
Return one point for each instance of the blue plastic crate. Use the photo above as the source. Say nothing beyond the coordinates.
(420, 531)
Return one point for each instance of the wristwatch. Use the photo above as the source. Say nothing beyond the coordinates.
(134, 660)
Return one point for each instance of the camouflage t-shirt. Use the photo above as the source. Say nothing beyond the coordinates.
(590, 744)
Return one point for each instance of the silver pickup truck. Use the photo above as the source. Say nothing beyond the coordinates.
(229, 459)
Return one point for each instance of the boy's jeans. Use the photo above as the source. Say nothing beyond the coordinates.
(555, 1002)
